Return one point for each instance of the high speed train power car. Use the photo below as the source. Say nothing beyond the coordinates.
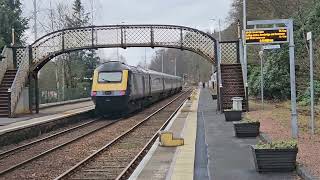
(118, 88)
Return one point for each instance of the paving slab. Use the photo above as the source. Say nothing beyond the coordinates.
(227, 157)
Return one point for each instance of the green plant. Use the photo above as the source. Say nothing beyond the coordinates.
(247, 120)
(276, 76)
(304, 99)
(228, 110)
(290, 144)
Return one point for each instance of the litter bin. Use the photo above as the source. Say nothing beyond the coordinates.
(237, 103)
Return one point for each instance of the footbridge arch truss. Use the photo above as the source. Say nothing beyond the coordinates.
(123, 36)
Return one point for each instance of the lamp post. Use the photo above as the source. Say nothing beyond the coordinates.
(219, 26)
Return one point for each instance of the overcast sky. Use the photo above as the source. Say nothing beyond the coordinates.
(192, 13)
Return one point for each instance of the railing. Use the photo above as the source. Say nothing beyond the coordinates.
(20, 81)
(18, 53)
(220, 79)
(4, 62)
(122, 36)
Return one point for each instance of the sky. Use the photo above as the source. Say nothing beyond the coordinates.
(192, 13)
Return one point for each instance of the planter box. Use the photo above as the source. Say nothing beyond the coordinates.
(274, 160)
(232, 115)
(246, 129)
(214, 96)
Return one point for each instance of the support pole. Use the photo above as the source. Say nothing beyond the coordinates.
(35, 19)
(294, 118)
(245, 62)
(36, 91)
(262, 83)
(309, 37)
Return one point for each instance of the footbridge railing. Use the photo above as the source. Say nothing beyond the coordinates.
(123, 36)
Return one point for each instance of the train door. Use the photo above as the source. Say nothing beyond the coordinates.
(143, 86)
(163, 84)
(149, 76)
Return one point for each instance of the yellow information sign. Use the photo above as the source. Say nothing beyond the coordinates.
(266, 36)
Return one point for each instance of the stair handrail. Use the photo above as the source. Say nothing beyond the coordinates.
(244, 74)
(19, 81)
(3, 62)
(220, 86)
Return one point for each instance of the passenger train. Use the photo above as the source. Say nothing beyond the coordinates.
(118, 88)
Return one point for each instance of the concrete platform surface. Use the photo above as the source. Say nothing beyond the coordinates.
(228, 157)
(211, 150)
(45, 115)
(162, 162)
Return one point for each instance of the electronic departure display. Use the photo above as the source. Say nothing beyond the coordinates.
(266, 36)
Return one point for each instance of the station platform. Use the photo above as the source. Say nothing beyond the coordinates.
(210, 150)
(48, 112)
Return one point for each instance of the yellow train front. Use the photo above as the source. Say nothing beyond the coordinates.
(118, 88)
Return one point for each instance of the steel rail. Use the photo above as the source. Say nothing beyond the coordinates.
(5, 153)
(132, 165)
(87, 159)
(54, 148)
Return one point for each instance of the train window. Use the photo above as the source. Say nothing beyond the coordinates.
(109, 77)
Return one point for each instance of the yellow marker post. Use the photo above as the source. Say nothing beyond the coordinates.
(167, 140)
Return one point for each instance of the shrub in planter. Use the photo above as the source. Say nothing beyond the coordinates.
(277, 156)
(232, 115)
(247, 128)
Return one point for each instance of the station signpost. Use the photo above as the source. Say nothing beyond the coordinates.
(309, 38)
(277, 34)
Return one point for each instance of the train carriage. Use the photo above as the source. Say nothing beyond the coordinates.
(118, 88)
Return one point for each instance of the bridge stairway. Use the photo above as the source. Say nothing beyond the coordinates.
(4, 86)
(232, 82)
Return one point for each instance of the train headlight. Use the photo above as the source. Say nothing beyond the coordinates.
(93, 93)
(119, 93)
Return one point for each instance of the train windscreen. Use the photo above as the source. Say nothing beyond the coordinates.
(110, 77)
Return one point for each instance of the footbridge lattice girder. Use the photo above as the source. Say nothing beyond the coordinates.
(122, 36)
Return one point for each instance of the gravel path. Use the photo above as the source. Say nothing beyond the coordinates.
(55, 163)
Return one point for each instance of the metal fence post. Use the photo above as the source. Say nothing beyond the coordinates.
(36, 90)
(9, 103)
(30, 79)
(294, 116)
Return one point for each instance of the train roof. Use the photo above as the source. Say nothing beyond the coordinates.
(120, 66)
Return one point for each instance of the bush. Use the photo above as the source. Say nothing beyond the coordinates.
(276, 76)
(305, 99)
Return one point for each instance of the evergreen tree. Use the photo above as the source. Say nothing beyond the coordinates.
(79, 16)
(11, 17)
(80, 64)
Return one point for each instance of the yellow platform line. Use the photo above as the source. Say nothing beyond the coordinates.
(183, 168)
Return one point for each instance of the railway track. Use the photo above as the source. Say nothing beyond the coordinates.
(48, 157)
(118, 158)
(11, 159)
